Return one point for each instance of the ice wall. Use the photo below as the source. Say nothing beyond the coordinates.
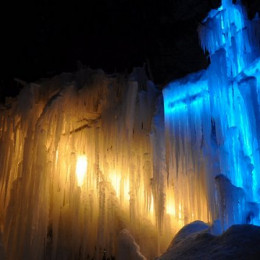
(213, 119)
(186, 116)
(77, 168)
(86, 157)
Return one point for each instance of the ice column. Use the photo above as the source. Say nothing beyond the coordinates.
(220, 109)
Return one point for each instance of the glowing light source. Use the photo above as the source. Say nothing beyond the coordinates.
(170, 210)
(115, 180)
(170, 206)
(121, 187)
(81, 169)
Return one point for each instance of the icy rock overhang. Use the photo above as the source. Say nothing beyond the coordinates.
(184, 93)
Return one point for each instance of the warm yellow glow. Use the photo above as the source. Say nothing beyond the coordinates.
(126, 189)
(170, 208)
(81, 169)
(152, 205)
(115, 180)
(56, 157)
(151, 212)
(180, 211)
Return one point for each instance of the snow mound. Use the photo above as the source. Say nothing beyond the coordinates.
(189, 230)
(238, 242)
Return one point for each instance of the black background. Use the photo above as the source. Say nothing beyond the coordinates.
(44, 38)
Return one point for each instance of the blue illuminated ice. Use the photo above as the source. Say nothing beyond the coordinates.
(213, 116)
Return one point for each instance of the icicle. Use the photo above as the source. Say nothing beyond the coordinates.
(216, 114)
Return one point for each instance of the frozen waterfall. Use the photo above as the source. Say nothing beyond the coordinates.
(212, 122)
(91, 162)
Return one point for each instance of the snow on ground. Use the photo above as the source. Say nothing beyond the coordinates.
(195, 241)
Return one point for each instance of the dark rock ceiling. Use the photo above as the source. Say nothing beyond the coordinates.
(45, 38)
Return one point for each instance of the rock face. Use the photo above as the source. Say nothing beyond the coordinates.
(195, 241)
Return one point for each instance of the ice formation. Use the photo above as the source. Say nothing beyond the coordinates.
(86, 156)
(76, 167)
(212, 122)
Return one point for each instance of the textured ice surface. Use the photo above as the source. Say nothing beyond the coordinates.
(77, 168)
(212, 122)
(84, 156)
